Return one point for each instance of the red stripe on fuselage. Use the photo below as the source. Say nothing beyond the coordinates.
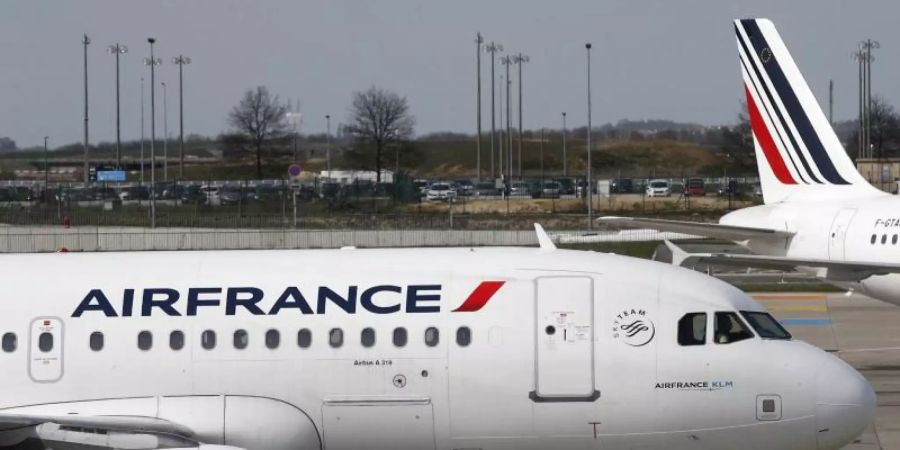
(776, 162)
(480, 296)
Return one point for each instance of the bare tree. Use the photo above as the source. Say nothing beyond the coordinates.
(259, 117)
(380, 118)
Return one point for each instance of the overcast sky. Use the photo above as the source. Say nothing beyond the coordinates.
(651, 59)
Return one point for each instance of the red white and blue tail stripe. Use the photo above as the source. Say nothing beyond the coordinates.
(798, 153)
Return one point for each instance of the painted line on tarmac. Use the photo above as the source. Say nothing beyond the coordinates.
(771, 297)
(799, 308)
(805, 322)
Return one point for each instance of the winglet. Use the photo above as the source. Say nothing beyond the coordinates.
(678, 255)
(543, 238)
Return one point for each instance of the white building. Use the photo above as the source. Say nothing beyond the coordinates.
(350, 176)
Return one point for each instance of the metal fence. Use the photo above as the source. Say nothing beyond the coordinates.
(51, 239)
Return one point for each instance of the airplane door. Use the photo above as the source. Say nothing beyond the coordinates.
(838, 234)
(45, 352)
(564, 364)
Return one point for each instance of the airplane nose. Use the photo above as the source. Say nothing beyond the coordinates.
(845, 404)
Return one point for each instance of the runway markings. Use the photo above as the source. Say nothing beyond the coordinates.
(790, 297)
(803, 308)
(814, 305)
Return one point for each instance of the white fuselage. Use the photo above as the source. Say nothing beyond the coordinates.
(543, 362)
(863, 229)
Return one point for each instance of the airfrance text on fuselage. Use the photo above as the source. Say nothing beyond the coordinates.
(379, 299)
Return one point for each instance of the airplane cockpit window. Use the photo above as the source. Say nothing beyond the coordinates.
(463, 336)
(730, 328)
(96, 341)
(304, 338)
(241, 339)
(692, 329)
(273, 339)
(145, 340)
(176, 340)
(45, 342)
(765, 325)
(208, 339)
(432, 336)
(10, 342)
(336, 337)
(400, 337)
(367, 337)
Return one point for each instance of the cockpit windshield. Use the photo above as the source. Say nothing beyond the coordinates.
(765, 325)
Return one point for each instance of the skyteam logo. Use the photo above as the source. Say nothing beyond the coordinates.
(633, 327)
(243, 300)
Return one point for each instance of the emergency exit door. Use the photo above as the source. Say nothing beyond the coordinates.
(838, 234)
(564, 356)
(45, 350)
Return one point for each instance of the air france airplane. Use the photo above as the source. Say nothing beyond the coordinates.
(456, 348)
(820, 215)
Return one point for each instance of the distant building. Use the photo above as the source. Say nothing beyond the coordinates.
(351, 176)
(7, 145)
(883, 173)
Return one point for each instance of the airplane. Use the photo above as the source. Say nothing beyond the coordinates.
(420, 348)
(819, 214)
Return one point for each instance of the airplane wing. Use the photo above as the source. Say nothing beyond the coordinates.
(824, 268)
(713, 230)
(103, 432)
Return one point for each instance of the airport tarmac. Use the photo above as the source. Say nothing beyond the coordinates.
(866, 334)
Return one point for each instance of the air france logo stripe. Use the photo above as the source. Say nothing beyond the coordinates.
(480, 296)
(770, 150)
(794, 111)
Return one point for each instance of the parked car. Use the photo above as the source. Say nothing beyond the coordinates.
(621, 186)
(464, 187)
(581, 188)
(658, 188)
(192, 194)
(566, 186)
(549, 189)
(519, 188)
(440, 192)
(486, 189)
(695, 187)
(728, 189)
(264, 193)
(230, 195)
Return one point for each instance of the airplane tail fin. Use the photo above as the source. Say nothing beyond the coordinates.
(798, 153)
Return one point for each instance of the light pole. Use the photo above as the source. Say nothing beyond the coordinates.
(590, 194)
(142, 131)
(508, 61)
(181, 60)
(479, 41)
(867, 46)
(46, 169)
(861, 151)
(165, 132)
(86, 41)
(520, 59)
(565, 163)
(328, 145)
(152, 62)
(493, 48)
(117, 50)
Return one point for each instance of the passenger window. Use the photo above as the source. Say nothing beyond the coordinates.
(872, 241)
(208, 339)
(400, 337)
(10, 342)
(367, 337)
(96, 341)
(304, 338)
(765, 325)
(45, 342)
(883, 239)
(692, 329)
(145, 340)
(894, 239)
(176, 340)
(432, 336)
(273, 339)
(240, 339)
(463, 336)
(730, 328)
(336, 337)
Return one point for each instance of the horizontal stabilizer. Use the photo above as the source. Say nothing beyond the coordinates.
(712, 230)
(825, 269)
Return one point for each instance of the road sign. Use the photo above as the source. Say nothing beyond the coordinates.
(110, 175)
(294, 170)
